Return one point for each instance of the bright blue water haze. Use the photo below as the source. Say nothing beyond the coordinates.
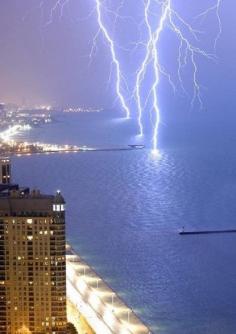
(124, 210)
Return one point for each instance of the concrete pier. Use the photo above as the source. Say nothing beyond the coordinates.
(92, 298)
(206, 232)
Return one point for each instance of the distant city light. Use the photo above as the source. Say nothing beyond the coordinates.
(6, 135)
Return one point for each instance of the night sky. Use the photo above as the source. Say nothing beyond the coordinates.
(43, 62)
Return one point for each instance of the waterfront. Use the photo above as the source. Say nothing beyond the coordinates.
(97, 302)
(124, 212)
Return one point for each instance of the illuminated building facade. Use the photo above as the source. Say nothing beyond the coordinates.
(32, 263)
(5, 171)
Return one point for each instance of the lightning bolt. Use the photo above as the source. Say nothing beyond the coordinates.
(52, 11)
(164, 15)
(59, 5)
(120, 80)
(143, 68)
(215, 8)
(187, 52)
(115, 61)
(218, 4)
(191, 52)
(63, 5)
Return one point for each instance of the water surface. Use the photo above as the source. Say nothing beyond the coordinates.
(124, 210)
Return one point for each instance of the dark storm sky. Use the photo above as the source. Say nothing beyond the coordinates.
(42, 63)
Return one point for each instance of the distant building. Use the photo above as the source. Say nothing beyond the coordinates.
(32, 262)
(5, 171)
(2, 110)
(2, 107)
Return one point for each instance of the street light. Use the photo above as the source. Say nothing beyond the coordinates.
(128, 314)
(112, 300)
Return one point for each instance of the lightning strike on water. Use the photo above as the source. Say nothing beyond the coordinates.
(187, 53)
(165, 11)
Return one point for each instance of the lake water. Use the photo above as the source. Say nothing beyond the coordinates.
(124, 210)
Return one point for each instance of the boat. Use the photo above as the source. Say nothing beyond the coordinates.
(134, 146)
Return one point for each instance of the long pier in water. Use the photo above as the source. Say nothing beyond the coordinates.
(206, 232)
(65, 150)
(92, 298)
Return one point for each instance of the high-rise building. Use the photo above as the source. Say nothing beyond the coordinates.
(32, 262)
(2, 107)
(2, 111)
(5, 171)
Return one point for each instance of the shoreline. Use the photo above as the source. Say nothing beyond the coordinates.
(66, 151)
(97, 302)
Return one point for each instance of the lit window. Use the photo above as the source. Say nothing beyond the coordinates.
(58, 207)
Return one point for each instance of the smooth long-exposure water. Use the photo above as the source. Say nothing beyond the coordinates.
(124, 210)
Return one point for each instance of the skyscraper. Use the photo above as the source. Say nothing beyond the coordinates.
(5, 171)
(32, 262)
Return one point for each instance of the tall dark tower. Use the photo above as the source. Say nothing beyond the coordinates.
(5, 171)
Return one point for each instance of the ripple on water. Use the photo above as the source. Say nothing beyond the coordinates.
(123, 213)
